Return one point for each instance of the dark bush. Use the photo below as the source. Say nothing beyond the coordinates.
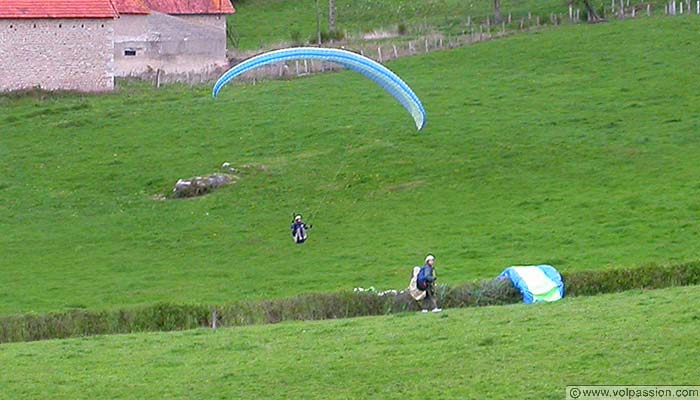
(586, 283)
(402, 29)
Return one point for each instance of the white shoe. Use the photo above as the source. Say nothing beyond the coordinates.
(424, 311)
(437, 309)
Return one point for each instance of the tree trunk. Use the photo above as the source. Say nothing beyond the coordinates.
(318, 25)
(331, 15)
(592, 15)
(497, 10)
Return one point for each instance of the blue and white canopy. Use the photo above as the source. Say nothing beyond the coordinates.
(356, 62)
(536, 283)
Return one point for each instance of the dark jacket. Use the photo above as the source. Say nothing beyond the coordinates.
(426, 277)
(298, 225)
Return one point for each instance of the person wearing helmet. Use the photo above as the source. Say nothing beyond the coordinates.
(426, 281)
(299, 230)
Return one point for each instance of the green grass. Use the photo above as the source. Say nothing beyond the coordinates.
(505, 352)
(576, 147)
(262, 23)
(265, 22)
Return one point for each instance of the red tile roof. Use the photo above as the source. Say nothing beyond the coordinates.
(191, 6)
(131, 7)
(56, 9)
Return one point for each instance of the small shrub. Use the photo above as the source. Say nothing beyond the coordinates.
(327, 36)
(295, 37)
(401, 29)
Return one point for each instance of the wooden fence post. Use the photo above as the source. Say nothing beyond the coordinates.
(213, 319)
(379, 53)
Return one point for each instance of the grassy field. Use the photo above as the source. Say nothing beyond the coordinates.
(576, 147)
(265, 22)
(506, 352)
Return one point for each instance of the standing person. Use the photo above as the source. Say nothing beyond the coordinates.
(426, 281)
(299, 230)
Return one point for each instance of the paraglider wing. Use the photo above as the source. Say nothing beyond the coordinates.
(358, 63)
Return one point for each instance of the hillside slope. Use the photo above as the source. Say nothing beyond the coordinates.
(268, 22)
(576, 147)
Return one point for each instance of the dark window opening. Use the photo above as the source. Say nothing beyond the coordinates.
(129, 52)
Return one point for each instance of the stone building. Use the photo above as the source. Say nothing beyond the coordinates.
(55, 44)
(174, 36)
(83, 44)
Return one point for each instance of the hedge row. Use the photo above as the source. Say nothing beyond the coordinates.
(170, 317)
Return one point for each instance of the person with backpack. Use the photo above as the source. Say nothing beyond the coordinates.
(425, 281)
(299, 230)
